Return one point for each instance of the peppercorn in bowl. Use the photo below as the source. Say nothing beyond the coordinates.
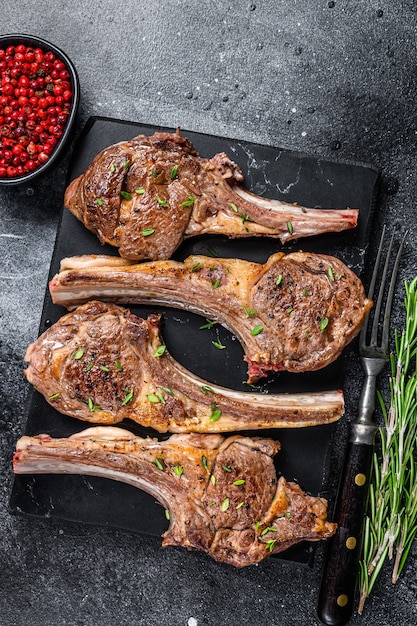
(39, 100)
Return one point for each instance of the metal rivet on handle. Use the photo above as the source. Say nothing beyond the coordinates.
(342, 600)
(351, 543)
(360, 480)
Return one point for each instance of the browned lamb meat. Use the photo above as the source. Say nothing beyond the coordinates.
(145, 195)
(103, 364)
(223, 495)
(296, 312)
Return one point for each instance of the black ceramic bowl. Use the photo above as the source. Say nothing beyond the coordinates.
(63, 141)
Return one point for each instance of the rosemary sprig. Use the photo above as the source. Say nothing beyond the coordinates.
(391, 521)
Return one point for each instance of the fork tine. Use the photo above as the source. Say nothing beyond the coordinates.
(390, 296)
(377, 313)
(377, 309)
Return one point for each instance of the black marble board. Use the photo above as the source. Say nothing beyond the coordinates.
(271, 172)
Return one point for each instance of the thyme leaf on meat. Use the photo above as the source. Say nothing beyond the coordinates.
(54, 396)
(159, 351)
(391, 521)
(188, 202)
(249, 312)
(159, 465)
(126, 195)
(173, 172)
(256, 330)
(278, 280)
(178, 470)
(161, 201)
(323, 324)
(140, 191)
(290, 228)
(99, 201)
(78, 354)
(218, 345)
(225, 504)
(128, 397)
(148, 231)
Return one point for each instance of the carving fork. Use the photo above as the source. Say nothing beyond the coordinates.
(338, 584)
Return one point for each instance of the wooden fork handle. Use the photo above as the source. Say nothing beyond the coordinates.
(338, 584)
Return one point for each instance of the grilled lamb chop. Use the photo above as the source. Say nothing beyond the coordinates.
(223, 495)
(103, 364)
(296, 312)
(145, 195)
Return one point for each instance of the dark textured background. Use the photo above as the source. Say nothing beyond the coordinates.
(333, 79)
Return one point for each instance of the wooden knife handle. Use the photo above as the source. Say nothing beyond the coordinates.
(340, 572)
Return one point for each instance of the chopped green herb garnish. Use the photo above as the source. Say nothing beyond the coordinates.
(225, 504)
(168, 391)
(161, 397)
(289, 310)
(330, 273)
(89, 366)
(226, 468)
(290, 228)
(239, 506)
(99, 201)
(78, 354)
(256, 330)
(241, 481)
(205, 389)
(188, 202)
(218, 345)
(159, 465)
(54, 395)
(210, 324)
(323, 324)
(154, 173)
(270, 544)
(161, 201)
(204, 464)
(306, 335)
(104, 368)
(178, 470)
(148, 231)
(140, 191)
(173, 172)
(126, 195)
(278, 280)
(112, 167)
(152, 398)
(215, 283)
(249, 312)
(128, 397)
(160, 350)
(92, 406)
(288, 515)
(196, 267)
(304, 292)
(215, 415)
(126, 164)
(233, 207)
(213, 479)
(339, 276)
(118, 366)
(212, 251)
(303, 209)
(268, 529)
(167, 515)
(257, 524)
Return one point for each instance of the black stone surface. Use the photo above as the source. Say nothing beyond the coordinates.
(334, 80)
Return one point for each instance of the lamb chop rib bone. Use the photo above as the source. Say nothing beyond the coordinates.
(222, 494)
(161, 184)
(102, 364)
(296, 312)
